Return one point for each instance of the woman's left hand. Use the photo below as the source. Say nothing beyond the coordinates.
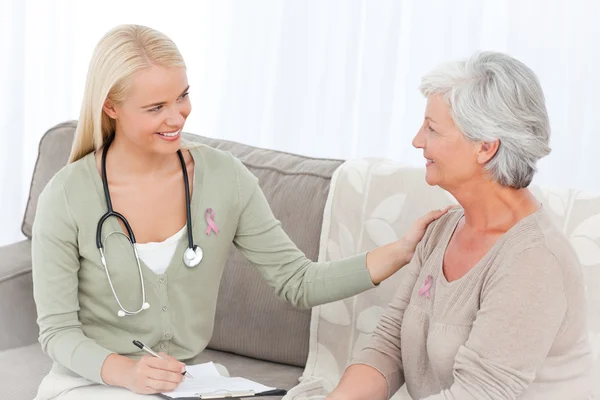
(384, 261)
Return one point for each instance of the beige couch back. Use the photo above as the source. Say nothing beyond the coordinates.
(250, 320)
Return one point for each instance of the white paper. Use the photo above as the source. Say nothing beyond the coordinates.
(208, 381)
(203, 370)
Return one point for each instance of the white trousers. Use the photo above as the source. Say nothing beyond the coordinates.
(56, 386)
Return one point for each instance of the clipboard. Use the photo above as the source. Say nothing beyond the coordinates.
(230, 395)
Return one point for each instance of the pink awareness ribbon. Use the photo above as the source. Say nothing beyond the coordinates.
(210, 220)
(425, 289)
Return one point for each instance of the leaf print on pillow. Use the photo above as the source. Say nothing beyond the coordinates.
(386, 168)
(589, 228)
(369, 318)
(336, 313)
(333, 251)
(357, 170)
(587, 251)
(556, 204)
(390, 208)
(346, 241)
(583, 195)
(380, 232)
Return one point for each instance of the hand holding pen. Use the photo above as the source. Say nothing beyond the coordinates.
(148, 350)
(154, 373)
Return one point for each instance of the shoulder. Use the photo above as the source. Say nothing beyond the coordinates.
(71, 179)
(538, 250)
(537, 236)
(220, 162)
(225, 169)
(210, 155)
(67, 190)
(440, 229)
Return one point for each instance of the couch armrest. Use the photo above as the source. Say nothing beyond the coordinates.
(18, 326)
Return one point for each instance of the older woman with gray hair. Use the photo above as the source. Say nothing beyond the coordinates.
(492, 305)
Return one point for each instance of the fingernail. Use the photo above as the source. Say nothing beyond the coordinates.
(182, 369)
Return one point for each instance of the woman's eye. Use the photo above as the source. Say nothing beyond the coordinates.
(153, 109)
(183, 96)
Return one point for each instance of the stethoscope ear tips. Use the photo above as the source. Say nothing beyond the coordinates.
(121, 313)
(192, 256)
(145, 306)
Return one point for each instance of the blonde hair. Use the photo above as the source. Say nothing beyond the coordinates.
(122, 52)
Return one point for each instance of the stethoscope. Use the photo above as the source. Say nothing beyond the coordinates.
(191, 257)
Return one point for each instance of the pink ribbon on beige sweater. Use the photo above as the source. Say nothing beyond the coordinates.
(426, 287)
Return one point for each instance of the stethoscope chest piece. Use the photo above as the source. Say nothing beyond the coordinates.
(123, 313)
(192, 256)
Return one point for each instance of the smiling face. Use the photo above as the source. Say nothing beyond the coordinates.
(154, 112)
(451, 159)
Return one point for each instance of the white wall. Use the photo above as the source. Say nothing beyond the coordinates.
(332, 78)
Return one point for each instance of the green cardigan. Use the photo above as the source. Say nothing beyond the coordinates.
(77, 312)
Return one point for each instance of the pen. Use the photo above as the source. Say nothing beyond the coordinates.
(151, 352)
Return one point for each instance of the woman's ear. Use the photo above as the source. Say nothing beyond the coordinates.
(487, 151)
(109, 109)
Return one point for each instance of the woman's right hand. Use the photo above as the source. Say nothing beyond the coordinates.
(386, 260)
(148, 375)
(152, 375)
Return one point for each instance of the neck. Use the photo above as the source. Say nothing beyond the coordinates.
(132, 160)
(490, 207)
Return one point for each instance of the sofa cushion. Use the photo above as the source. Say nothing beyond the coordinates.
(250, 320)
(53, 153)
(17, 309)
(22, 370)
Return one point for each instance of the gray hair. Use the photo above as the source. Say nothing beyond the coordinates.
(493, 96)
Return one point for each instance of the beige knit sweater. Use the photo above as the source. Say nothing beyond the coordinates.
(514, 327)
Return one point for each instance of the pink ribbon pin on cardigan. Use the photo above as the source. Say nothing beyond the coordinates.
(210, 220)
(425, 289)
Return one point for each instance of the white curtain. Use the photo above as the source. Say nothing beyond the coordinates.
(333, 78)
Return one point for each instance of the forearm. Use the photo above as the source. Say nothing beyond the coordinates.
(69, 347)
(115, 370)
(385, 260)
(361, 382)
(313, 284)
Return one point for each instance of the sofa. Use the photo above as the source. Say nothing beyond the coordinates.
(256, 335)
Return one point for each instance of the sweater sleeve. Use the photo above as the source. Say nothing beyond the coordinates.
(261, 239)
(522, 309)
(55, 266)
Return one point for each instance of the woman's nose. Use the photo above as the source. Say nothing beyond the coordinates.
(175, 117)
(419, 141)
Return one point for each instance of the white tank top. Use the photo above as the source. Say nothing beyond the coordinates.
(158, 255)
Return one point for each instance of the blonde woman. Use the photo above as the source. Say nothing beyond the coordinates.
(129, 175)
(493, 304)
